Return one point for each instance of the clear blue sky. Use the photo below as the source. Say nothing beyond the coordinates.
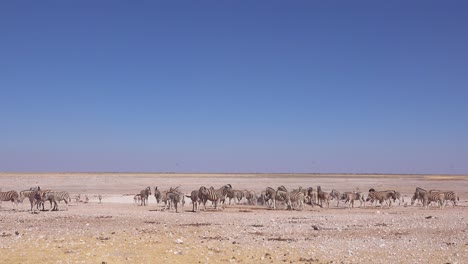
(234, 86)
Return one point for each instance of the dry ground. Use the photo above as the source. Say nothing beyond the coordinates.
(117, 231)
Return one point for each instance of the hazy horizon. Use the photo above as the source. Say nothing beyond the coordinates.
(263, 86)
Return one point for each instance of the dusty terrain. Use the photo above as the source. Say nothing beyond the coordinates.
(118, 231)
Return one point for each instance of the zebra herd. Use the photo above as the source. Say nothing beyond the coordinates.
(292, 200)
(295, 199)
(37, 197)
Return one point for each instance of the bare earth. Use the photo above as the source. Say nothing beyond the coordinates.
(117, 231)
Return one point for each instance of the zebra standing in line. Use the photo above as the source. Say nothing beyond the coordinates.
(270, 195)
(381, 196)
(399, 197)
(251, 197)
(175, 196)
(451, 196)
(157, 195)
(418, 195)
(10, 196)
(313, 196)
(34, 198)
(56, 197)
(195, 197)
(237, 195)
(335, 195)
(144, 196)
(431, 196)
(282, 194)
(323, 196)
(297, 198)
(350, 197)
(213, 195)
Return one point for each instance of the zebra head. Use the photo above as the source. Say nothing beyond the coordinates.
(371, 190)
(148, 190)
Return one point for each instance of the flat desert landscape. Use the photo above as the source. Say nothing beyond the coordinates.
(119, 231)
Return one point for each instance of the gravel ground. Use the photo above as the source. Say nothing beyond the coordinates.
(117, 231)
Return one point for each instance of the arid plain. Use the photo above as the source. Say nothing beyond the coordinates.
(118, 231)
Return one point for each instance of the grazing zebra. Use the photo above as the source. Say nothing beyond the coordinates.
(157, 195)
(380, 196)
(175, 196)
(236, 195)
(213, 195)
(350, 197)
(323, 196)
(144, 196)
(56, 197)
(10, 196)
(335, 195)
(313, 196)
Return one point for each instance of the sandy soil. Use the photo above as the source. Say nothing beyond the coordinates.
(117, 231)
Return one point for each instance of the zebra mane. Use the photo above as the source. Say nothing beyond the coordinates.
(282, 188)
(372, 190)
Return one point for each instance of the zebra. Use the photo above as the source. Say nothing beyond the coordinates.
(137, 198)
(272, 196)
(418, 195)
(213, 195)
(451, 196)
(56, 197)
(144, 196)
(100, 198)
(297, 198)
(312, 195)
(350, 197)
(380, 196)
(157, 195)
(282, 194)
(250, 196)
(195, 197)
(34, 198)
(323, 196)
(175, 197)
(261, 199)
(432, 196)
(335, 195)
(236, 195)
(399, 197)
(10, 196)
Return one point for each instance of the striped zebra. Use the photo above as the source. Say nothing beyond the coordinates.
(237, 195)
(250, 196)
(137, 199)
(270, 195)
(433, 196)
(399, 197)
(56, 197)
(34, 199)
(144, 196)
(381, 196)
(282, 194)
(157, 195)
(418, 195)
(334, 194)
(323, 196)
(312, 195)
(297, 198)
(350, 197)
(215, 196)
(451, 196)
(261, 199)
(10, 196)
(175, 197)
(195, 197)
